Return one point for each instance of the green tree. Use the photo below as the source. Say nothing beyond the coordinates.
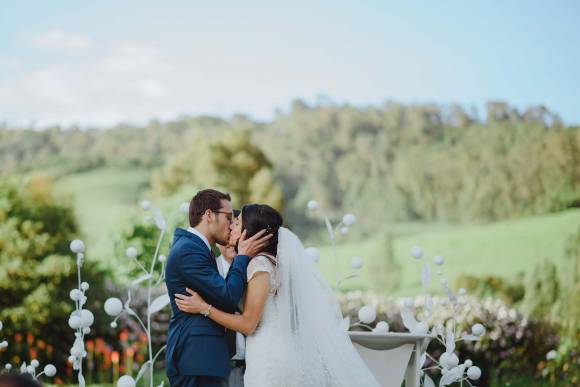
(37, 269)
(231, 162)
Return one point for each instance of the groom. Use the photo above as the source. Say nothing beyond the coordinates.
(197, 351)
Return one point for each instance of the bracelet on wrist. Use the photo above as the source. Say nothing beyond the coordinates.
(208, 311)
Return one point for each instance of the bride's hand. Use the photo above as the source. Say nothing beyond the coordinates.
(191, 304)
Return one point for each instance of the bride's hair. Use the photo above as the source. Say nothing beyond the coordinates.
(256, 217)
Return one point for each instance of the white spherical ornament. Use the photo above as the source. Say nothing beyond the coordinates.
(313, 253)
(421, 328)
(113, 306)
(8, 366)
(113, 324)
(126, 381)
(381, 327)
(417, 252)
(30, 369)
(161, 223)
(145, 205)
(162, 258)
(49, 370)
(551, 355)
(367, 314)
(86, 330)
(131, 252)
(474, 373)
(343, 230)
(75, 294)
(3, 344)
(312, 205)
(449, 360)
(184, 208)
(468, 363)
(349, 220)
(438, 260)
(87, 318)
(74, 321)
(478, 329)
(462, 291)
(409, 302)
(34, 363)
(356, 263)
(85, 286)
(77, 246)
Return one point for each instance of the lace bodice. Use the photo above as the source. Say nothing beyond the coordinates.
(262, 263)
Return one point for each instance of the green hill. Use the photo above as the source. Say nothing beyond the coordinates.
(503, 248)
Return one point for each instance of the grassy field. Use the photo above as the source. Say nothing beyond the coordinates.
(503, 249)
(103, 199)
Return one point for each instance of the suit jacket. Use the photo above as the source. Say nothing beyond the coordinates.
(196, 345)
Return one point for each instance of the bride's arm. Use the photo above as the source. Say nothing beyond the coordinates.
(246, 323)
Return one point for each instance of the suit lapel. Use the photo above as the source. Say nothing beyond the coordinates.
(198, 241)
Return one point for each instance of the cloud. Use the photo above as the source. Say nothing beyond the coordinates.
(58, 40)
(130, 83)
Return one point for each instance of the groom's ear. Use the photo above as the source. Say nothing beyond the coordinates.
(209, 215)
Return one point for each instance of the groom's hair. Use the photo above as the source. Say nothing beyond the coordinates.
(207, 199)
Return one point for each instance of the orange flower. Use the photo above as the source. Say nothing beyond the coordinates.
(124, 336)
(115, 357)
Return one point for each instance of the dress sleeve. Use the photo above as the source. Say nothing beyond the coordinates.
(260, 264)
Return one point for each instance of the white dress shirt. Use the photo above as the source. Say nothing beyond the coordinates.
(201, 236)
(223, 267)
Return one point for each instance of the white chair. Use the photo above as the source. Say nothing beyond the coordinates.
(392, 357)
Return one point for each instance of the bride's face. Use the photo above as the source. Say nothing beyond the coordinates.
(235, 231)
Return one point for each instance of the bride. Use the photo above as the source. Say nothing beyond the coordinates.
(290, 315)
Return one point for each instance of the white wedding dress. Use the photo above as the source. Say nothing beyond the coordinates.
(300, 340)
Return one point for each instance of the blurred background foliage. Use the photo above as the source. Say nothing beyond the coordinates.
(496, 193)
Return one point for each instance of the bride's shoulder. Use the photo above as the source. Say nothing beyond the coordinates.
(262, 260)
(260, 263)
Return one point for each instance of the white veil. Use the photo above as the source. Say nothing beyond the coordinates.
(318, 345)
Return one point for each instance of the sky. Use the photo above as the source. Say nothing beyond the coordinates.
(105, 62)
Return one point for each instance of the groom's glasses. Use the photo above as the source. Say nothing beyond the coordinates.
(229, 215)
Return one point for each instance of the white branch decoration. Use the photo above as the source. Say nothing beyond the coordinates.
(49, 369)
(446, 334)
(80, 319)
(114, 306)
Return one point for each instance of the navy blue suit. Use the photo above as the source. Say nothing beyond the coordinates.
(196, 346)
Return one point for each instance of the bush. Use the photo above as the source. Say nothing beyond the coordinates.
(514, 344)
(37, 272)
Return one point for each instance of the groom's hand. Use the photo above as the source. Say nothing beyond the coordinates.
(253, 245)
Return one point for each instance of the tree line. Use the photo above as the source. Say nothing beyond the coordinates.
(391, 162)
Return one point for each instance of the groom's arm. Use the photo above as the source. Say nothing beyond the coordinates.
(199, 274)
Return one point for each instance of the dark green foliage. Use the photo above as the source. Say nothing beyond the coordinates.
(37, 269)
(511, 292)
